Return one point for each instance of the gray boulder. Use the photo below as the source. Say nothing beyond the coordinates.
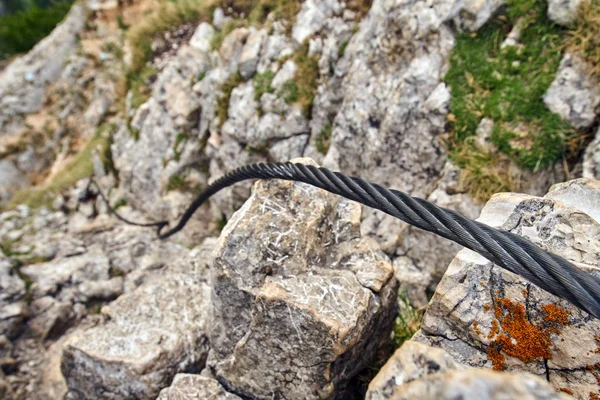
(591, 159)
(195, 387)
(485, 316)
(574, 94)
(300, 302)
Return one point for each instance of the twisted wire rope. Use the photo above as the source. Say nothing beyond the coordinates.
(510, 251)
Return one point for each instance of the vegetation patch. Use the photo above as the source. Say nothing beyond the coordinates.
(20, 31)
(167, 15)
(139, 83)
(323, 139)
(223, 103)
(81, 166)
(408, 320)
(302, 89)
(262, 84)
(584, 37)
(507, 86)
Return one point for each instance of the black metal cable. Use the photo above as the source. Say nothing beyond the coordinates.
(512, 252)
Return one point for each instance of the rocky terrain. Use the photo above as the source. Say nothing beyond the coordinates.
(279, 290)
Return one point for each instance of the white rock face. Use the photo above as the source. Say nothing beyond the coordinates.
(195, 387)
(23, 82)
(418, 371)
(11, 179)
(13, 309)
(563, 12)
(573, 94)
(313, 16)
(300, 302)
(591, 159)
(485, 316)
(152, 333)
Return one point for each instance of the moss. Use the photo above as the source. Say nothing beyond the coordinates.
(323, 139)
(139, 83)
(223, 103)
(342, 49)
(201, 76)
(222, 222)
(120, 203)
(121, 24)
(179, 139)
(112, 48)
(507, 86)
(262, 84)
(584, 37)
(301, 90)
(176, 182)
(408, 320)
(289, 92)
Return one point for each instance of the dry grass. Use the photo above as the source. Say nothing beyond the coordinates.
(584, 37)
(166, 16)
(81, 166)
(483, 173)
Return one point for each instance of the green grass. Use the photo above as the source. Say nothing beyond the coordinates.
(176, 182)
(302, 89)
(507, 86)
(19, 32)
(139, 84)
(323, 139)
(262, 84)
(584, 37)
(80, 166)
(408, 320)
(223, 103)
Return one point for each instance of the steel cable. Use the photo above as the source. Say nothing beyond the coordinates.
(510, 251)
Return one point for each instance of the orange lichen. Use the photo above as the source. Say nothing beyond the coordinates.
(475, 328)
(594, 396)
(486, 307)
(494, 330)
(525, 293)
(555, 314)
(565, 390)
(515, 336)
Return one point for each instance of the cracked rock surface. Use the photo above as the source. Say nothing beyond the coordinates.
(300, 301)
(419, 371)
(485, 316)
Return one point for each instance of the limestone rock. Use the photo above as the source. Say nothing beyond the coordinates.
(251, 51)
(418, 371)
(591, 159)
(392, 111)
(417, 268)
(49, 317)
(473, 14)
(573, 94)
(23, 82)
(412, 361)
(478, 384)
(300, 302)
(13, 309)
(563, 12)
(202, 37)
(485, 316)
(313, 16)
(11, 179)
(192, 387)
(151, 334)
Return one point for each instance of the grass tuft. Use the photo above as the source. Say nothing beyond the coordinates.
(81, 166)
(584, 36)
(223, 103)
(507, 86)
(323, 139)
(408, 320)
